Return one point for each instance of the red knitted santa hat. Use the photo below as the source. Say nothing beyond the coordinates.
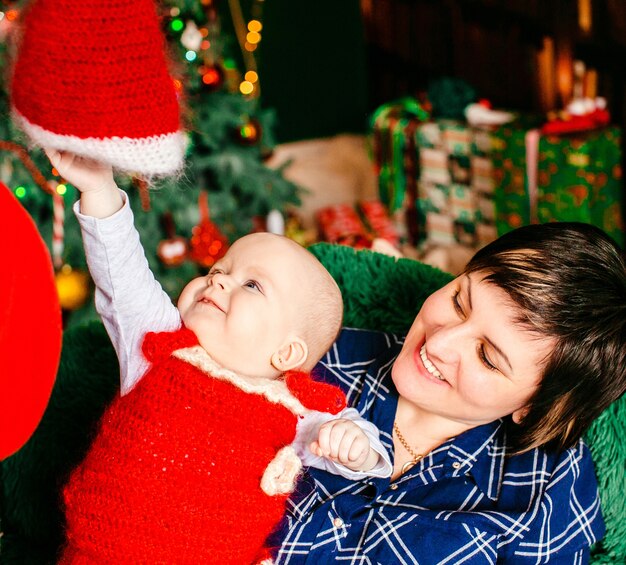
(91, 77)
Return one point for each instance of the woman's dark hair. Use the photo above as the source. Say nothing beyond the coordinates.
(569, 281)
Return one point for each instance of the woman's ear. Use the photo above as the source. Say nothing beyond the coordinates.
(519, 415)
(291, 355)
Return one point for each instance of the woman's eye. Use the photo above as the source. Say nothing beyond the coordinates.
(484, 359)
(457, 304)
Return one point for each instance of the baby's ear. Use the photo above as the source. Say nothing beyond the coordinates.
(291, 355)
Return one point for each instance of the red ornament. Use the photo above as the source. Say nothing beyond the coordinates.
(249, 133)
(213, 78)
(173, 250)
(208, 243)
(30, 327)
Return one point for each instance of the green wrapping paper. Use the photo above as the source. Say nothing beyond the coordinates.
(578, 178)
(508, 156)
(395, 156)
(393, 147)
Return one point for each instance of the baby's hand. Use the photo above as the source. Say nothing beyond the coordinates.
(85, 174)
(344, 442)
(99, 196)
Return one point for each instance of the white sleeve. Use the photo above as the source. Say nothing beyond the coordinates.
(308, 430)
(128, 298)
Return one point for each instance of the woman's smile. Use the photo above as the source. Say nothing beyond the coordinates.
(426, 367)
(456, 365)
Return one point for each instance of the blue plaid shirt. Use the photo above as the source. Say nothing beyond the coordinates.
(466, 502)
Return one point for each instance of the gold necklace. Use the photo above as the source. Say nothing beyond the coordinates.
(416, 456)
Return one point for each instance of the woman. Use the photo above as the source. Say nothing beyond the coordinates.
(481, 406)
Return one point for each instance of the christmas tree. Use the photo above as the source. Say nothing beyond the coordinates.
(226, 190)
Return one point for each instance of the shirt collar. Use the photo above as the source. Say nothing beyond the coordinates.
(480, 452)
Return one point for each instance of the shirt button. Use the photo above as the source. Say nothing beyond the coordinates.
(394, 486)
(456, 465)
(338, 522)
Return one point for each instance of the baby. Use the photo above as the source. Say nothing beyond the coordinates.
(194, 461)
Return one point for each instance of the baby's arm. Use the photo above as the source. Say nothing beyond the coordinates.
(128, 298)
(326, 441)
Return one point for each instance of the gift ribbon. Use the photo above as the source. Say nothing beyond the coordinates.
(531, 140)
(391, 120)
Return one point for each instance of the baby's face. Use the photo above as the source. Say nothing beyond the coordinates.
(247, 307)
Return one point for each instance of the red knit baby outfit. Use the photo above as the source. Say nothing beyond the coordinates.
(174, 473)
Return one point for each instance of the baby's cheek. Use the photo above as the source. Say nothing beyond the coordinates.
(187, 295)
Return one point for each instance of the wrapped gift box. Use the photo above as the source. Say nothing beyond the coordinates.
(463, 203)
(485, 233)
(482, 174)
(432, 174)
(456, 137)
(542, 178)
(434, 166)
(580, 179)
(485, 209)
(440, 228)
(434, 197)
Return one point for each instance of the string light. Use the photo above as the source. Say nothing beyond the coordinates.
(249, 38)
(61, 189)
(200, 45)
(246, 87)
(255, 26)
(20, 192)
(177, 25)
(251, 76)
(253, 37)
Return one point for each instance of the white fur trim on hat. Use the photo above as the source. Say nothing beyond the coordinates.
(153, 156)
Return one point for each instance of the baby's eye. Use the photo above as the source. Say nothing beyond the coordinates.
(253, 285)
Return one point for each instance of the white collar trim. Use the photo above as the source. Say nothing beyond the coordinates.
(275, 390)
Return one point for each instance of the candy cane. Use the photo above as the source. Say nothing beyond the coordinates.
(58, 218)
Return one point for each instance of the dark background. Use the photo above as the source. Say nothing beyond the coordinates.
(325, 66)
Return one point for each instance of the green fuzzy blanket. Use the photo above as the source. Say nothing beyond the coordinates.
(379, 293)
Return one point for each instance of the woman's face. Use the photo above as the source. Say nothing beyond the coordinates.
(465, 359)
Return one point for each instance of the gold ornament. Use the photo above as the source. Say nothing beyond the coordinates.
(72, 287)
